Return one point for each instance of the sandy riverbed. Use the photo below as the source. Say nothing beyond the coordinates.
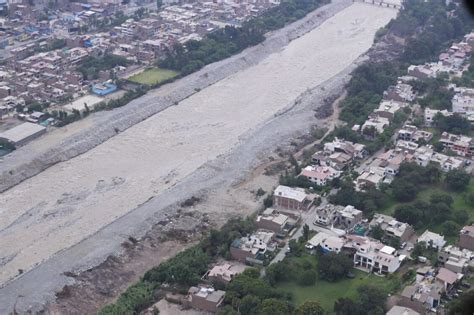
(72, 200)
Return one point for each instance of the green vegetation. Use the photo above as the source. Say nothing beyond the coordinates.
(91, 66)
(422, 196)
(429, 30)
(324, 292)
(462, 306)
(153, 76)
(181, 271)
(230, 40)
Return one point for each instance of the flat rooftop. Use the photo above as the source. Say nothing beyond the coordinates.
(20, 132)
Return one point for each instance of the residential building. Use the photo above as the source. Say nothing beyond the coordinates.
(392, 227)
(204, 298)
(320, 175)
(338, 216)
(224, 272)
(290, 198)
(412, 133)
(459, 144)
(432, 240)
(447, 278)
(466, 237)
(401, 92)
(373, 256)
(273, 221)
(332, 243)
(422, 296)
(425, 155)
(253, 248)
(370, 178)
(463, 101)
(355, 150)
(425, 71)
(430, 115)
(408, 147)
(401, 310)
(375, 123)
(455, 258)
(388, 108)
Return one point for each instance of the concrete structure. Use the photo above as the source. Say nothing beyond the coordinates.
(22, 134)
(401, 92)
(320, 175)
(401, 310)
(393, 228)
(422, 296)
(272, 220)
(292, 198)
(355, 150)
(412, 133)
(252, 249)
(204, 298)
(466, 238)
(224, 272)
(432, 240)
(373, 256)
(461, 145)
(447, 278)
(455, 258)
(388, 108)
(338, 216)
(430, 114)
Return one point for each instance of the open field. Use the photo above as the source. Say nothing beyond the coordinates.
(326, 293)
(153, 76)
(86, 202)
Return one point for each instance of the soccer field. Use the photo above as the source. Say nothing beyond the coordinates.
(153, 76)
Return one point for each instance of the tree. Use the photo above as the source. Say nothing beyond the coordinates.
(345, 306)
(441, 198)
(226, 310)
(440, 212)
(310, 308)
(306, 232)
(377, 232)
(461, 216)
(295, 248)
(307, 277)
(277, 272)
(407, 213)
(159, 4)
(249, 304)
(372, 298)
(333, 267)
(462, 306)
(273, 307)
(450, 228)
(418, 250)
(457, 180)
(403, 190)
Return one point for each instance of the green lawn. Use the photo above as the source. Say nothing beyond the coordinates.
(326, 293)
(153, 76)
(425, 194)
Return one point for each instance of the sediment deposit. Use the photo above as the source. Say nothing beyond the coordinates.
(81, 209)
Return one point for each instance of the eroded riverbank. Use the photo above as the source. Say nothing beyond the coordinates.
(179, 151)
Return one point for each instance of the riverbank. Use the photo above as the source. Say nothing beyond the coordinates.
(200, 147)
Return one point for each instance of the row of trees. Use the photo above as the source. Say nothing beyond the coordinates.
(230, 40)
